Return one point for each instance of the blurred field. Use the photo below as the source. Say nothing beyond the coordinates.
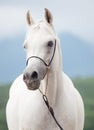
(3, 99)
(85, 87)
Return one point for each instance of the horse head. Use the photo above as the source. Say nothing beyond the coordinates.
(41, 48)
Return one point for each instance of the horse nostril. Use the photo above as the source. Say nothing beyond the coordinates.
(25, 76)
(34, 75)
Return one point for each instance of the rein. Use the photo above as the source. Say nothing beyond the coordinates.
(51, 111)
(48, 105)
(44, 94)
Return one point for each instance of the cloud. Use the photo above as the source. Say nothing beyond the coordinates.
(70, 16)
(78, 18)
(12, 20)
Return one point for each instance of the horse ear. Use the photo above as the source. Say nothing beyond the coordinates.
(29, 19)
(48, 16)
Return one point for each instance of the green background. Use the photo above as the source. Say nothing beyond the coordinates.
(84, 85)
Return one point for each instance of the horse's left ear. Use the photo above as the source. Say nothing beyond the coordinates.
(48, 16)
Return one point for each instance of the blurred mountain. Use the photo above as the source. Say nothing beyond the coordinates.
(12, 58)
(77, 56)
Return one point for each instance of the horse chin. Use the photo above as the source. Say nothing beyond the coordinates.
(33, 85)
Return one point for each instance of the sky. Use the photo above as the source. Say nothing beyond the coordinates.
(73, 16)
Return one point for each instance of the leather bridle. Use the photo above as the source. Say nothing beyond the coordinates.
(44, 94)
(47, 65)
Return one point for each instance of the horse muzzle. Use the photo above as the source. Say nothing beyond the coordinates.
(34, 73)
(31, 80)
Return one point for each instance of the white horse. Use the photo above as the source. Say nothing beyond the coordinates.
(26, 109)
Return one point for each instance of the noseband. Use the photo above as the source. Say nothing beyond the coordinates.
(47, 65)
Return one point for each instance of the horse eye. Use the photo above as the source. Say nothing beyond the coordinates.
(25, 45)
(50, 44)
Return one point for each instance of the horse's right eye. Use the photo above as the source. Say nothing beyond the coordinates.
(25, 45)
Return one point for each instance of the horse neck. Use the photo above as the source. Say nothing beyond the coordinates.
(55, 79)
(53, 86)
